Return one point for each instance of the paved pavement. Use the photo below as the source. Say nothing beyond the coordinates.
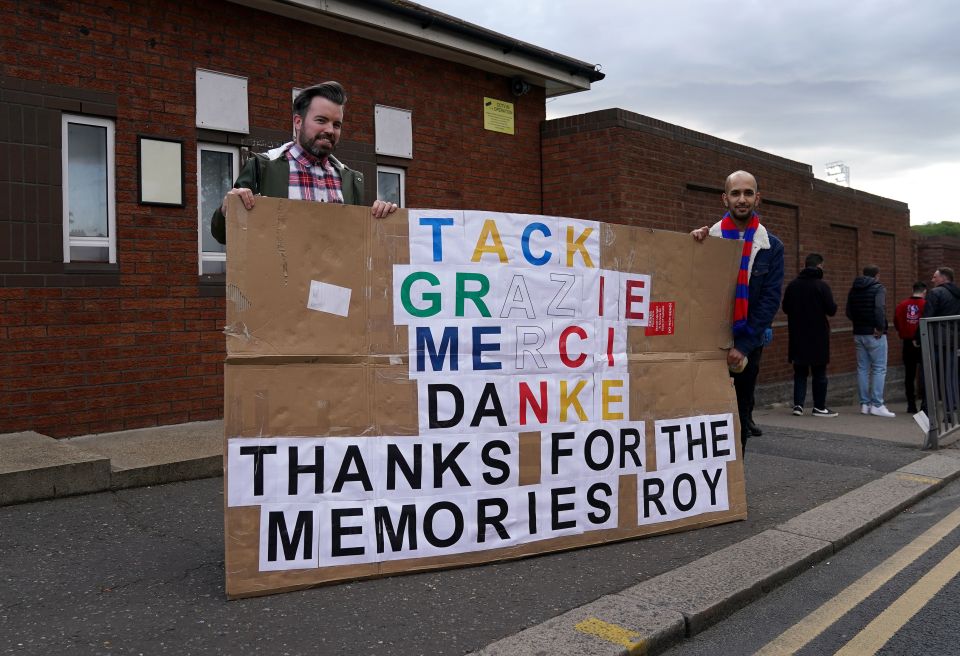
(140, 570)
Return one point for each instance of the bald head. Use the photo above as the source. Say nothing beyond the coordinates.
(740, 197)
(740, 178)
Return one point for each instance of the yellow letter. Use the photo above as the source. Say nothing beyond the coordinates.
(489, 231)
(574, 245)
(566, 400)
(606, 398)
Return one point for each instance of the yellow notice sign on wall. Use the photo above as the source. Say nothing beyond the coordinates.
(497, 115)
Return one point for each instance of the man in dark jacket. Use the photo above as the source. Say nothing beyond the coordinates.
(759, 286)
(866, 309)
(305, 168)
(944, 299)
(807, 303)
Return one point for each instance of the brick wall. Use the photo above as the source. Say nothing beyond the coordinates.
(618, 166)
(935, 252)
(96, 348)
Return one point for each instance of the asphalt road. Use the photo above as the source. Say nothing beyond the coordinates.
(858, 594)
(141, 571)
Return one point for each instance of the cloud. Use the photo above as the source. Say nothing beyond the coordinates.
(875, 84)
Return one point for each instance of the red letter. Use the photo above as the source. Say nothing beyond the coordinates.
(573, 364)
(527, 398)
(634, 298)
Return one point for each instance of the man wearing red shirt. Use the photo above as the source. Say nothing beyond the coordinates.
(906, 318)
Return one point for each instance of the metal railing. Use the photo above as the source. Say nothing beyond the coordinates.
(940, 344)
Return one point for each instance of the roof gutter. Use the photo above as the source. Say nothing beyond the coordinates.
(414, 27)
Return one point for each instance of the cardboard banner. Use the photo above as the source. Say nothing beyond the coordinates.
(445, 388)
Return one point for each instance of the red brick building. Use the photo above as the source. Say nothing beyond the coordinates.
(114, 322)
(640, 171)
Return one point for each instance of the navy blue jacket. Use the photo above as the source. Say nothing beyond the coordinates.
(766, 288)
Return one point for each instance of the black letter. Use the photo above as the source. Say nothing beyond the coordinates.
(441, 464)
(414, 475)
(631, 447)
(556, 452)
(489, 394)
(712, 485)
(352, 457)
(599, 504)
(294, 468)
(457, 524)
(676, 491)
(277, 525)
(671, 432)
(453, 390)
(497, 521)
(718, 437)
(700, 441)
(406, 524)
(556, 508)
(649, 496)
(336, 531)
(588, 450)
(490, 461)
(257, 452)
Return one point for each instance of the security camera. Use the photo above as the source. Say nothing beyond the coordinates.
(519, 86)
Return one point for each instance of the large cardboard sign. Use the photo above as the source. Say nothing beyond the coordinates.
(445, 388)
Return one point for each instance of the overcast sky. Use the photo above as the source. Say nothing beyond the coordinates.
(873, 84)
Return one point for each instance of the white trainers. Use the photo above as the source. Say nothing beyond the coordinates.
(864, 409)
(881, 411)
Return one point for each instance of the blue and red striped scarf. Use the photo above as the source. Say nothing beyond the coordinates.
(741, 302)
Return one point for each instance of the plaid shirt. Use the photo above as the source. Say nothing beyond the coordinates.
(312, 178)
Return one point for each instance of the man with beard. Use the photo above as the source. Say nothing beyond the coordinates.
(759, 283)
(305, 168)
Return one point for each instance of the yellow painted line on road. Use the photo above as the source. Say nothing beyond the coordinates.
(916, 478)
(794, 638)
(613, 634)
(885, 625)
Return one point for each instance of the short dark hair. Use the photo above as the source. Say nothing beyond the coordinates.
(332, 91)
(871, 271)
(946, 272)
(813, 260)
(919, 286)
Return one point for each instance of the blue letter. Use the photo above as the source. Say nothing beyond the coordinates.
(436, 223)
(525, 244)
(425, 344)
(479, 347)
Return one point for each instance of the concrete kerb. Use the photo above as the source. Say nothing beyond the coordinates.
(715, 586)
(36, 467)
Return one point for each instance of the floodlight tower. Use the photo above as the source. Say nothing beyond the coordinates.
(838, 173)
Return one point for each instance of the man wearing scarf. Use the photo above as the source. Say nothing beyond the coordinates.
(759, 287)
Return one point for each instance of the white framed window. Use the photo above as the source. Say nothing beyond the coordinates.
(89, 190)
(391, 184)
(217, 168)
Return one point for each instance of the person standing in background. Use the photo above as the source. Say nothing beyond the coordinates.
(808, 302)
(906, 319)
(866, 303)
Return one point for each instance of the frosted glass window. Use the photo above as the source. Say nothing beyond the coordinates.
(88, 189)
(216, 170)
(87, 159)
(390, 184)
